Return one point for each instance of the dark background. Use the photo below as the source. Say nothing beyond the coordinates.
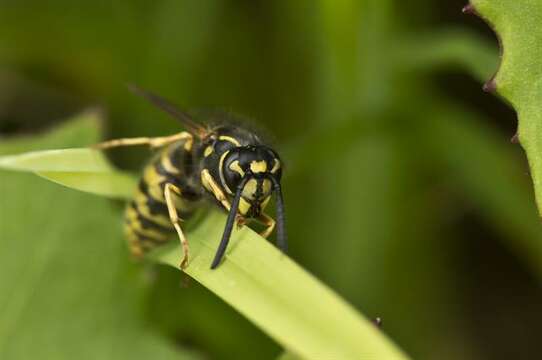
(403, 191)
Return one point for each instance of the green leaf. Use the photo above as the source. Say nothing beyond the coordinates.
(82, 169)
(519, 79)
(68, 288)
(264, 285)
(278, 296)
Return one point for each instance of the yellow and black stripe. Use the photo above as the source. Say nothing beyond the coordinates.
(147, 222)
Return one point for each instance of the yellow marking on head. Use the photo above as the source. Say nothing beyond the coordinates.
(258, 166)
(266, 186)
(250, 189)
(276, 166)
(244, 206)
(234, 166)
(221, 173)
(229, 139)
(208, 151)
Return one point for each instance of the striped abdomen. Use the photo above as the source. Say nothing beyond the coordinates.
(147, 221)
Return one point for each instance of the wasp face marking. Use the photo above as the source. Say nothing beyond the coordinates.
(258, 166)
(250, 190)
(234, 166)
(259, 162)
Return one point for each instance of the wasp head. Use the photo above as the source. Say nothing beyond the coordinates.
(251, 174)
(258, 169)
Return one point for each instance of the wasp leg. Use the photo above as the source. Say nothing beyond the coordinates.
(209, 182)
(269, 222)
(175, 220)
(153, 142)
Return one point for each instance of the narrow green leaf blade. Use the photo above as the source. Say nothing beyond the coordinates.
(110, 184)
(285, 301)
(72, 160)
(81, 169)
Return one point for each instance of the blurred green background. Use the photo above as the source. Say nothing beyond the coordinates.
(402, 189)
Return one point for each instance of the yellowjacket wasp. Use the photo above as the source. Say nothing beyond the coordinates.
(224, 162)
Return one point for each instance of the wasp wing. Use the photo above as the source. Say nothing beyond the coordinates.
(174, 111)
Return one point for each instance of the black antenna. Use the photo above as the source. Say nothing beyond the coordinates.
(168, 107)
(230, 222)
(282, 240)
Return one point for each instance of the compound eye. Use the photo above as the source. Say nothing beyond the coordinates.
(231, 173)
